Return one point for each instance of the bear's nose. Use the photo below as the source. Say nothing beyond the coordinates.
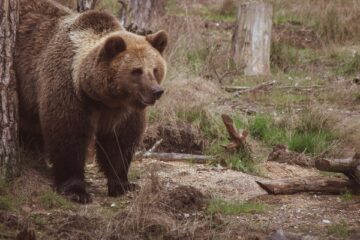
(157, 92)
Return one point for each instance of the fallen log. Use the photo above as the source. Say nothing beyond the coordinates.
(318, 184)
(349, 166)
(166, 157)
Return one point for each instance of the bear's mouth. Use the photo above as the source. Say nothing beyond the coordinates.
(146, 102)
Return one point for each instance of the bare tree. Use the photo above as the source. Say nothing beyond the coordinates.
(84, 5)
(9, 144)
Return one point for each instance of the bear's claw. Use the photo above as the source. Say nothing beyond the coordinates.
(117, 189)
(75, 190)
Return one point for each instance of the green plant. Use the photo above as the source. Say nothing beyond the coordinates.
(6, 203)
(312, 134)
(347, 196)
(235, 207)
(338, 229)
(264, 128)
(51, 199)
(350, 67)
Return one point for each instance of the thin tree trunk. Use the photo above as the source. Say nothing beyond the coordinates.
(84, 5)
(251, 41)
(9, 144)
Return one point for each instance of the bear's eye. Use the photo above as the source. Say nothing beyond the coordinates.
(156, 71)
(137, 72)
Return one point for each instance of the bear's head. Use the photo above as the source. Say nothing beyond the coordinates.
(125, 69)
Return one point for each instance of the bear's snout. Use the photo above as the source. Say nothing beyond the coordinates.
(157, 92)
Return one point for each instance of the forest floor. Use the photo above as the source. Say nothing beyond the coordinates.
(314, 108)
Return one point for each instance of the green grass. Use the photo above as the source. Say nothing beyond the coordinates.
(51, 199)
(347, 196)
(351, 66)
(310, 142)
(6, 200)
(218, 15)
(172, 8)
(263, 127)
(6, 203)
(310, 135)
(338, 230)
(283, 56)
(214, 129)
(235, 208)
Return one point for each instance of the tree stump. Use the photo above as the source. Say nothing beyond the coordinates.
(9, 143)
(251, 39)
(84, 5)
(139, 15)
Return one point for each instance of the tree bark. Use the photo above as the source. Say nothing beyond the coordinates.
(139, 15)
(84, 5)
(251, 40)
(329, 185)
(349, 166)
(9, 155)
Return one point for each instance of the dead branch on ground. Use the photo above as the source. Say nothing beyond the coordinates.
(237, 139)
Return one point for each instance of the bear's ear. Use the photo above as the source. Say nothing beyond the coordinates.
(158, 40)
(112, 47)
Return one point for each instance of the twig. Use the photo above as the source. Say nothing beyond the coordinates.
(241, 90)
(144, 153)
(179, 157)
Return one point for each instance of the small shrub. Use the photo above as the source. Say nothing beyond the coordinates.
(235, 208)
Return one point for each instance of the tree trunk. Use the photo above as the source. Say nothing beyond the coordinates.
(140, 14)
(9, 144)
(251, 40)
(84, 5)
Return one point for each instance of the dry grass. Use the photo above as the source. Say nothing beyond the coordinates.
(335, 21)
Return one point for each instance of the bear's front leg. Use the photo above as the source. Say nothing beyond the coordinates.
(115, 150)
(66, 141)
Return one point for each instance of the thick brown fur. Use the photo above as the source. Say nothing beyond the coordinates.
(82, 75)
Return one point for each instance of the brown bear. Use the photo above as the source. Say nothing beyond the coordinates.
(79, 76)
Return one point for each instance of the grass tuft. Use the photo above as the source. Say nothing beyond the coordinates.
(235, 208)
(350, 67)
(338, 230)
(263, 127)
(6, 203)
(51, 199)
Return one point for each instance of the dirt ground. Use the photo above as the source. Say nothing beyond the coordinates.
(172, 204)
